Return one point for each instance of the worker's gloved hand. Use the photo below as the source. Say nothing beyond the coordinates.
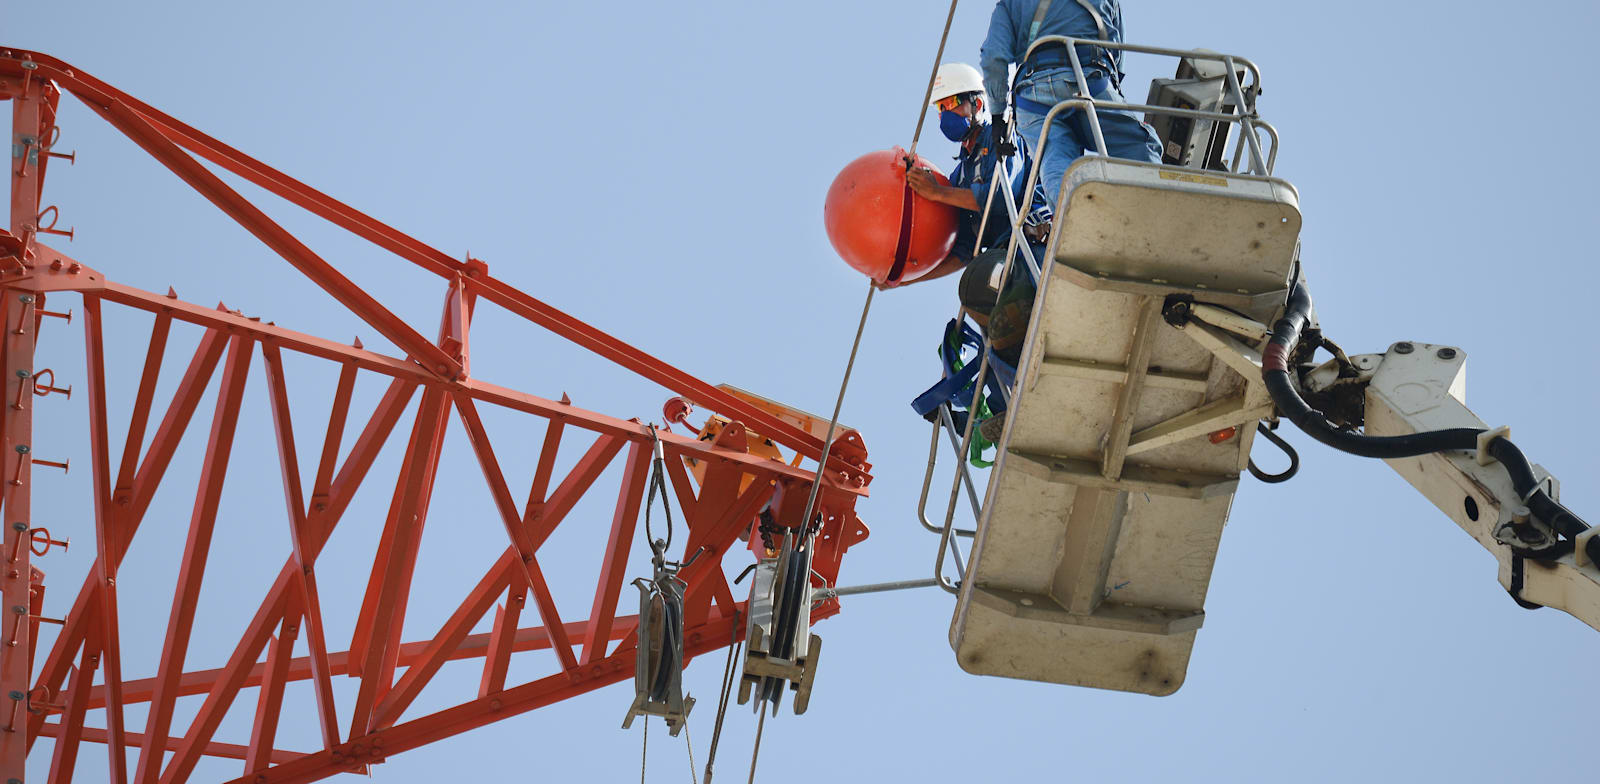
(1002, 137)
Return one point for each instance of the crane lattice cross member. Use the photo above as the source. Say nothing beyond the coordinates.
(427, 385)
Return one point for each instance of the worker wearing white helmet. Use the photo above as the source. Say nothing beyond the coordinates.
(964, 118)
(1047, 78)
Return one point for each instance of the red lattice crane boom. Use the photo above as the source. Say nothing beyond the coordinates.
(432, 384)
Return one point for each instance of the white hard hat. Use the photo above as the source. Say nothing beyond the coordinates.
(955, 79)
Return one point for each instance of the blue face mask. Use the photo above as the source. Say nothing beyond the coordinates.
(954, 126)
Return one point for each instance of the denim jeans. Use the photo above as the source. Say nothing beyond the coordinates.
(1126, 135)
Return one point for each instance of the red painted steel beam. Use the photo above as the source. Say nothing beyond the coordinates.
(133, 505)
(107, 537)
(543, 518)
(449, 638)
(379, 745)
(294, 596)
(16, 433)
(196, 550)
(274, 236)
(699, 392)
(140, 417)
(403, 560)
(222, 693)
(516, 529)
(393, 583)
(411, 654)
(223, 750)
(367, 360)
(338, 213)
(502, 640)
(64, 758)
(618, 547)
(322, 485)
(309, 604)
(269, 702)
(156, 132)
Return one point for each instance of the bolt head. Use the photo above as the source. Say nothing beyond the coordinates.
(1404, 348)
(1446, 353)
(16, 695)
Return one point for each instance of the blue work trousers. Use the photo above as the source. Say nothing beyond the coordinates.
(1126, 135)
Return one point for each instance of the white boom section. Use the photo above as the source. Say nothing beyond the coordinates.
(1106, 504)
(1417, 387)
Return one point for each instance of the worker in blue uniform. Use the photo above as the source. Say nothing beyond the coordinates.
(1046, 78)
(964, 119)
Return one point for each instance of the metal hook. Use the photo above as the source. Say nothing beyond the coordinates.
(55, 216)
(1294, 458)
(39, 541)
(44, 388)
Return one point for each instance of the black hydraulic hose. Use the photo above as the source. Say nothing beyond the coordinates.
(1275, 373)
(1547, 509)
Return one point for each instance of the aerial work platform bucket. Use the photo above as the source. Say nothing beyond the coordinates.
(1125, 436)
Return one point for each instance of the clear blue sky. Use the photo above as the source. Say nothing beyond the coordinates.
(658, 169)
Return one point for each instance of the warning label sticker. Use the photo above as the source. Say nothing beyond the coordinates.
(1195, 178)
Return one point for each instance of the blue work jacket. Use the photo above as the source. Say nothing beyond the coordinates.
(975, 170)
(1008, 39)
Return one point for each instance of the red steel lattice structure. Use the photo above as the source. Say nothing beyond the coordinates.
(49, 697)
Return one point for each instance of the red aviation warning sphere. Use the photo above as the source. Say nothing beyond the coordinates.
(879, 226)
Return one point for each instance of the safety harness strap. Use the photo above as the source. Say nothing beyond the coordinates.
(1097, 85)
(1038, 19)
(956, 386)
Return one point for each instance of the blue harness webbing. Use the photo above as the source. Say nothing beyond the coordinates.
(956, 386)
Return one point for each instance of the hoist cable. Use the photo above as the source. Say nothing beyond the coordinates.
(922, 108)
(644, 749)
(761, 724)
(827, 442)
(726, 694)
(688, 743)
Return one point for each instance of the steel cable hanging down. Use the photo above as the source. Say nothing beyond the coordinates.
(855, 346)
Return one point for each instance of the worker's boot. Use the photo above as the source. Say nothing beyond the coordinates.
(993, 427)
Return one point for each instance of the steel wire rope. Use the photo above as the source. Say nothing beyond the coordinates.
(726, 693)
(644, 749)
(688, 743)
(855, 346)
(916, 136)
(658, 480)
(922, 108)
(761, 725)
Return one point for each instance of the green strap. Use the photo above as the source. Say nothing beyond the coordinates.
(1038, 18)
(979, 410)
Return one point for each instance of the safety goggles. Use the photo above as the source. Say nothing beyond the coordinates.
(949, 104)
